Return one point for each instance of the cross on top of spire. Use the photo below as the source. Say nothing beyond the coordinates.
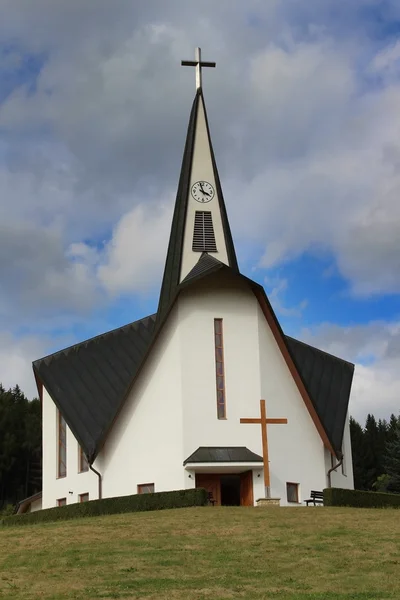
(198, 64)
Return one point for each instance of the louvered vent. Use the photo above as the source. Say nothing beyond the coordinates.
(203, 235)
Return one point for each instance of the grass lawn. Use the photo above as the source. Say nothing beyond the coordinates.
(207, 553)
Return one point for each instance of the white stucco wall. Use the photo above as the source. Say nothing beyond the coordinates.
(145, 445)
(296, 451)
(254, 369)
(343, 476)
(36, 505)
(75, 482)
(198, 307)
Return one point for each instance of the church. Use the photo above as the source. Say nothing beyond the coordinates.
(209, 391)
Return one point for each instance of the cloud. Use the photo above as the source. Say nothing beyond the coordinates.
(37, 277)
(16, 356)
(132, 261)
(375, 349)
(326, 164)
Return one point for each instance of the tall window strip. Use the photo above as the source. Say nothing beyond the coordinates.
(62, 446)
(203, 234)
(83, 462)
(219, 369)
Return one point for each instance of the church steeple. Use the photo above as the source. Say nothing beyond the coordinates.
(200, 222)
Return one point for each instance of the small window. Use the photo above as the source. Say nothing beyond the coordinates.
(145, 488)
(84, 497)
(61, 502)
(292, 492)
(203, 234)
(62, 445)
(83, 461)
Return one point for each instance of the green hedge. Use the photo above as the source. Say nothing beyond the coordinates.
(359, 499)
(109, 506)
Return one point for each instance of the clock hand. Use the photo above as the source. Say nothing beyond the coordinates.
(202, 190)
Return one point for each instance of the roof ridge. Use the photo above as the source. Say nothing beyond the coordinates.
(95, 337)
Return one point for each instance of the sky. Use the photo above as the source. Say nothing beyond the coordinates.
(304, 111)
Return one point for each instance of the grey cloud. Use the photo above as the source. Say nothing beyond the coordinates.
(36, 276)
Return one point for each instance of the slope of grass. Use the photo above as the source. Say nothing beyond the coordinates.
(207, 553)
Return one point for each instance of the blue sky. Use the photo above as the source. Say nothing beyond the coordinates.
(304, 109)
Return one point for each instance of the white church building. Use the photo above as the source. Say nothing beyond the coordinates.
(208, 392)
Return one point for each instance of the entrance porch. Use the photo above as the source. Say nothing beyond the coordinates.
(232, 475)
(228, 489)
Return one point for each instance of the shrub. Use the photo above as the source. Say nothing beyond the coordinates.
(109, 506)
(359, 499)
(7, 510)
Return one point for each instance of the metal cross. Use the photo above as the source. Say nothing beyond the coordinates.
(198, 64)
(264, 422)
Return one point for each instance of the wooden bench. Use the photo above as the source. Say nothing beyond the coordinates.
(210, 498)
(316, 498)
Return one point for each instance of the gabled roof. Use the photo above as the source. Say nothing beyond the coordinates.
(218, 454)
(88, 381)
(173, 262)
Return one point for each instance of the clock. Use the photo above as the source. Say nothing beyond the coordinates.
(202, 191)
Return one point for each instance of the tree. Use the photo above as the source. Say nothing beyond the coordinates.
(392, 462)
(20, 446)
(357, 447)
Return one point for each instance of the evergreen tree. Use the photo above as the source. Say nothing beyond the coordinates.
(20, 446)
(392, 462)
(357, 447)
(371, 453)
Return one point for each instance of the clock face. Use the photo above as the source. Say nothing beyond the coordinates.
(202, 191)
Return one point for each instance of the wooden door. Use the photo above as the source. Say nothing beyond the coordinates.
(246, 489)
(212, 483)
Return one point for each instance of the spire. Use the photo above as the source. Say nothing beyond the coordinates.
(200, 222)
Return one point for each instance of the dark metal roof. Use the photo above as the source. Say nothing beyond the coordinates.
(88, 381)
(205, 265)
(328, 380)
(172, 268)
(206, 454)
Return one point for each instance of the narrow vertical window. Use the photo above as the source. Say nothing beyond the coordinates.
(62, 446)
(83, 462)
(219, 369)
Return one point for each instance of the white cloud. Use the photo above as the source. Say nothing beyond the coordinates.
(375, 350)
(326, 165)
(133, 259)
(16, 356)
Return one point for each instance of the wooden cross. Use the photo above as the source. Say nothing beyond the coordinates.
(198, 64)
(263, 421)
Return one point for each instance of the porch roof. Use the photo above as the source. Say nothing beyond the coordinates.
(218, 454)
